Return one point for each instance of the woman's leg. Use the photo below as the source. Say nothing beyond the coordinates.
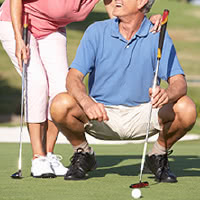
(37, 146)
(36, 97)
(53, 53)
(51, 136)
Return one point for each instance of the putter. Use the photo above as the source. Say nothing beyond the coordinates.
(160, 46)
(18, 174)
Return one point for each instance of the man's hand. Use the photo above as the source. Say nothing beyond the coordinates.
(95, 111)
(159, 97)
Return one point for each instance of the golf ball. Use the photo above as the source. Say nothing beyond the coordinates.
(136, 193)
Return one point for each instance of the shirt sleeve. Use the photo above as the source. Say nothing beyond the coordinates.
(86, 53)
(169, 64)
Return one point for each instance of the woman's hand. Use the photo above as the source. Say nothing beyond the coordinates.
(156, 20)
(22, 52)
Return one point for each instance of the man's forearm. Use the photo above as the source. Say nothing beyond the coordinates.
(177, 88)
(77, 89)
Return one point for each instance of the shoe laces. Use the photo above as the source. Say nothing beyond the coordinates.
(78, 157)
(163, 162)
(56, 157)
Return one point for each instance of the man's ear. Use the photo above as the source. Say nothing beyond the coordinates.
(141, 3)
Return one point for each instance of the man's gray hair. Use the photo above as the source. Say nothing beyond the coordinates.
(147, 6)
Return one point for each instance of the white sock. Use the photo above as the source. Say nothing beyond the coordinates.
(157, 149)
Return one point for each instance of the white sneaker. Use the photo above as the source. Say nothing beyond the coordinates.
(56, 165)
(41, 168)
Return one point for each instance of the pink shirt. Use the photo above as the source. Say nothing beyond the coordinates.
(47, 16)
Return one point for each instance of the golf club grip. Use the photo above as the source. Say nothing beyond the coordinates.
(162, 32)
(25, 29)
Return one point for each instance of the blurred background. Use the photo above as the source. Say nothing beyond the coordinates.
(183, 27)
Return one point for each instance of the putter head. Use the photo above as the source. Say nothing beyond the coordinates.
(17, 175)
(139, 185)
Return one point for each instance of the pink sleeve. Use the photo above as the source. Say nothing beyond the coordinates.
(5, 11)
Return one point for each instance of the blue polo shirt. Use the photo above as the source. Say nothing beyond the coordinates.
(120, 71)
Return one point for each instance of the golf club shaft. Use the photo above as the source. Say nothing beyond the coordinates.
(148, 125)
(25, 38)
(159, 54)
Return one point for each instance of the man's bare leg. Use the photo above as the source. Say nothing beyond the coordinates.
(176, 120)
(70, 119)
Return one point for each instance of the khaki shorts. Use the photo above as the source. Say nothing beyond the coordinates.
(125, 123)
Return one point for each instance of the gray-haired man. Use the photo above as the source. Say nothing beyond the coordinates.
(120, 56)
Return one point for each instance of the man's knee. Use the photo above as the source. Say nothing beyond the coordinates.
(186, 112)
(60, 106)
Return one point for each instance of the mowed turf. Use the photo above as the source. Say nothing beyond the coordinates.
(118, 167)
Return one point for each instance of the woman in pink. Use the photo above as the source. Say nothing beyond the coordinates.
(47, 66)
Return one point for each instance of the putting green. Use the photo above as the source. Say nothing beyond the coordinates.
(118, 167)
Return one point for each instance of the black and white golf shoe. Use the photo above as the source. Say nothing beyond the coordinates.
(81, 163)
(159, 166)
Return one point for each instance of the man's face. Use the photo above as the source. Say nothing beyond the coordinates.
(125, 8)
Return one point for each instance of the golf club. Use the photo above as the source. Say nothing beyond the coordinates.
(160, 45)
(18, 174)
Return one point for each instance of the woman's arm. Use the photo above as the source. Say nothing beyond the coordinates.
(16, 16)
(16, 10)
(156, 21)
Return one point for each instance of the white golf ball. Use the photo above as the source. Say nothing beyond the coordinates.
(136, 193)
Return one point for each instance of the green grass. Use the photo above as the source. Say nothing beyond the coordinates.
(196, 128)
(118, 167)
